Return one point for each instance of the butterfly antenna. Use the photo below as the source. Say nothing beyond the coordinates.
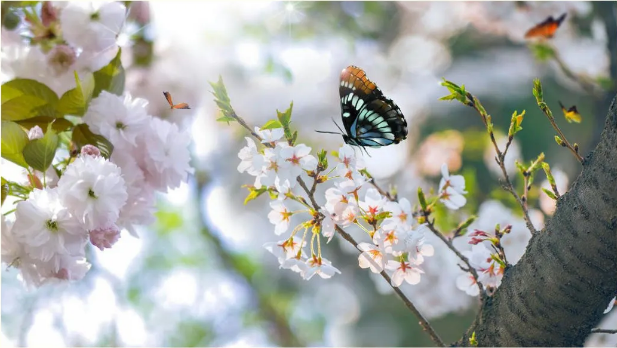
(326, 132)
(337, 126)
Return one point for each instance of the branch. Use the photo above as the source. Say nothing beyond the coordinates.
(423, 322)
(475, 104)
(463, 258)
(567, 274)
(310, 193)
(448, 243)
(604, 331)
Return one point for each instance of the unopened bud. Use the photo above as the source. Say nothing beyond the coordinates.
(422, 199)
(105, 237)
(90, 150)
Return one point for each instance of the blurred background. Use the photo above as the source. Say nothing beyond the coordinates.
(199, 276)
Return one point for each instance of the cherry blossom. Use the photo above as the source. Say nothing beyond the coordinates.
(404, 271)
(279, 216)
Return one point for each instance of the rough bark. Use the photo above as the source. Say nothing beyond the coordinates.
(558, 290)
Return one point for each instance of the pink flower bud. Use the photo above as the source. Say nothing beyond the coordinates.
(61, 58)
(105, 237)
(48, 13)
(475, 241)
(90, 150)
(477, 233)
(35, 133)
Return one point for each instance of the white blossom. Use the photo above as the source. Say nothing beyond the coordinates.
(466, 282)
(401, 214)
(45, 226)
(90, 28)
(93, 190)
(251, 160)
(120, 119)
(404, 271)
(320, 266)
(168, 155)
(279, 216)
(269, 136)
(372, 257)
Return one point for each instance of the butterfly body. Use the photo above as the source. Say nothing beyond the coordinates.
(370, 119)
(546, 29)
(175, 106)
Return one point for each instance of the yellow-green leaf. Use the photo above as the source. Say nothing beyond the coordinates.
(110, 78)
(58, 125)
(14, 139)
(39, 153)
(75, 101)
(22, 108)
(272, 124)
(5, 190)
(34, 88)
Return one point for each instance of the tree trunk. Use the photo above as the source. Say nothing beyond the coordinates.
(559, 289)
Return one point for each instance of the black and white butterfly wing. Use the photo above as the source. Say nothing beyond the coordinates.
(370, 119)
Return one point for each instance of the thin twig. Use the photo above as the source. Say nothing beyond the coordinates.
(500, 161)
(423, 322)
(566, 143)
(448, 243)
(310, 193)
(605, 331)
(463, 258)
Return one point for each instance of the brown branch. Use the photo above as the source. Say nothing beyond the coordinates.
(463, 258)
(565, 143)
(423, 322)
(604, 331)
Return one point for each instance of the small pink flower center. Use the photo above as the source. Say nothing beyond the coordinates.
(294, 159)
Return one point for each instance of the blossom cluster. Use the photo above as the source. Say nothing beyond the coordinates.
(66, 37)
(90, 199)
(397, 238)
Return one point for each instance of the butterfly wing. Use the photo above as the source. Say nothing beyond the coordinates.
(370, 119)
(547, 28)
(181, 106)
(168, 97)
(355, 90)
(381, 123)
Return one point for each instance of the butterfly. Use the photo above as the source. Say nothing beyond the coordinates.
(571, 114)
(370, 118)
(171, 103)
(545, 29)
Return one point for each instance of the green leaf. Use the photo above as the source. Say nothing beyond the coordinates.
(32, 88)
(254, 193)
(110, 78)
(39, 153)
(542, 52)
(14, 139)
(58, 125)
(272, 124)
(82, 135)
(75, 101)
(22, 108)
(9, 93)
(5, 190)
(549, 193)
(285, 117)
(225, 119)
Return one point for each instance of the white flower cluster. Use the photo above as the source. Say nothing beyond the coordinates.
(90, 30)
(398, 241)
(95, 198)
